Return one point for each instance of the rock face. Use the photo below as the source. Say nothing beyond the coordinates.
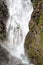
(7, 59)
(3, 56)
(3, 19)
(34, 39)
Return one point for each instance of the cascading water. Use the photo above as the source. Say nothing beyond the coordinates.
(17, 27)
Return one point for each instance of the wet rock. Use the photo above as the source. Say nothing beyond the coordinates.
(7, 59)
(3, 56)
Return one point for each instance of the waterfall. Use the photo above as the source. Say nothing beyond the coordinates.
(17, 27)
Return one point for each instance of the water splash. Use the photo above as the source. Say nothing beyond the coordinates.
(17, 27)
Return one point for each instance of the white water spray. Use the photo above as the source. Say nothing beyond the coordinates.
(17, 27)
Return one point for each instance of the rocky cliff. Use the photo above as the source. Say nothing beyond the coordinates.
(3, 19)
(34, 38)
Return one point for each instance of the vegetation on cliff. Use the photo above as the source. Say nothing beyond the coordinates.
(34, 39)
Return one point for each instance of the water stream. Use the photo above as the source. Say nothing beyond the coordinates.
(17, 27)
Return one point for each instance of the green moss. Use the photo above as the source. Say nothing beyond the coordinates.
(35, 55)
(33, 28)
(41, 35)
(2, 36)
(41, 18)
(35, 3)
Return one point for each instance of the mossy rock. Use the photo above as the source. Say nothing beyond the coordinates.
(3, 19)
(34, 39)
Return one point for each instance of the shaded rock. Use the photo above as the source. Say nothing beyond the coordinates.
(3, 19)
(3, 56)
